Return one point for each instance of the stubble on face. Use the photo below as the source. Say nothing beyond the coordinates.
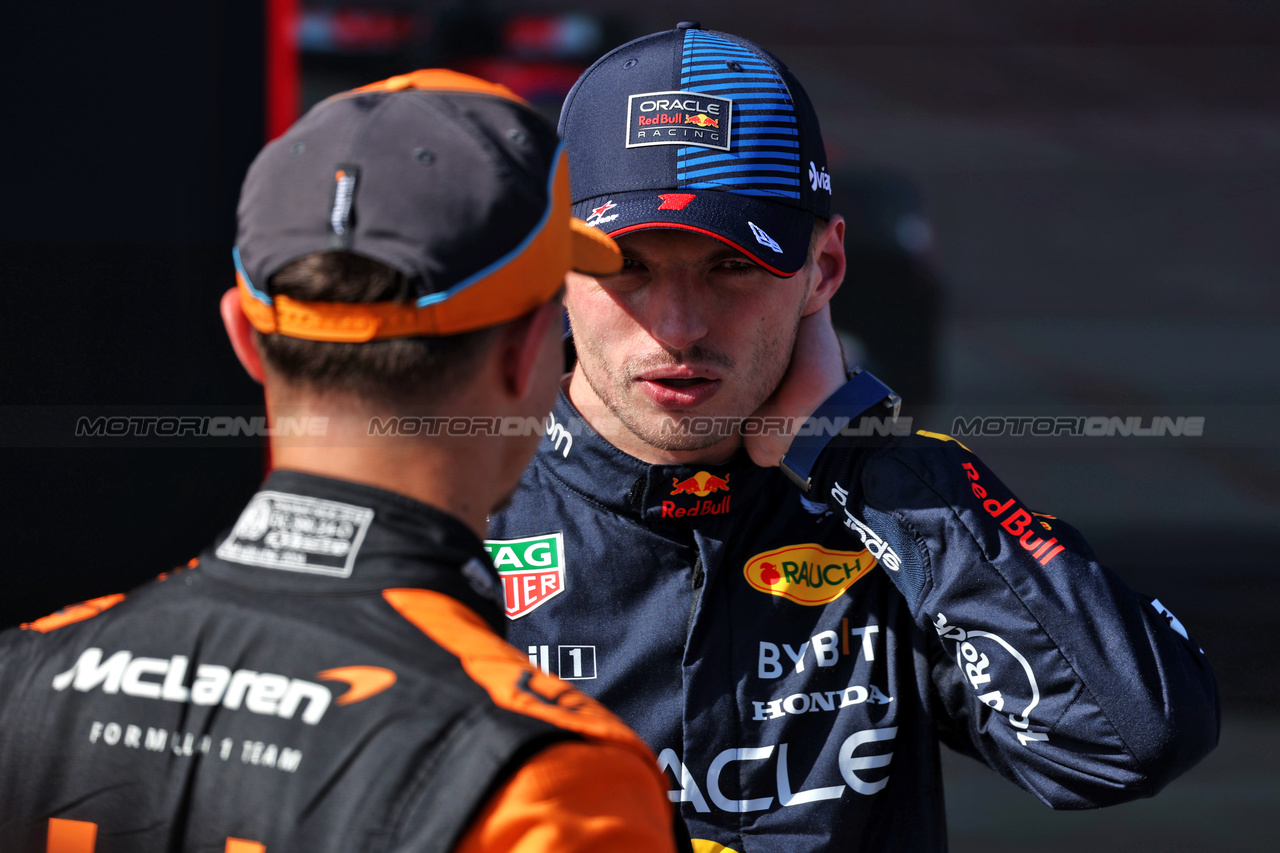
(746, 389)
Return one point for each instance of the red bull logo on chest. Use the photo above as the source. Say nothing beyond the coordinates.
(700, 485)
(531, 569)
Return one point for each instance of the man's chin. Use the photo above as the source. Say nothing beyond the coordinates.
(685, 431)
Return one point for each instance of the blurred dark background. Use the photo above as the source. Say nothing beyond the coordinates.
(1064, 209)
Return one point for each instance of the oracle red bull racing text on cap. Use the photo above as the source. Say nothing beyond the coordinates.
(701, 131)
(453, 181)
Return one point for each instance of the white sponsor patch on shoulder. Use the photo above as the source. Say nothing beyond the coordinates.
(298, 534)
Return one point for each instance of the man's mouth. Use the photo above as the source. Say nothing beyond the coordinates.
(678, 388)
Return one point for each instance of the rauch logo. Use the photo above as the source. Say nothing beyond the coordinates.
(807, 574)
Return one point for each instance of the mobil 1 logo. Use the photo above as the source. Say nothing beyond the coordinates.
(679, 118)
(531, 568)
(573, 663)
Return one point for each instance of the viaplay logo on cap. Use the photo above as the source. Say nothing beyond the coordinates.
(679, 118)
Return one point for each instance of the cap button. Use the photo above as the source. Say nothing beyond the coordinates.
(689, 25)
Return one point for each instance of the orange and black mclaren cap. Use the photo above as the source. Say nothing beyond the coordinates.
(453, 181)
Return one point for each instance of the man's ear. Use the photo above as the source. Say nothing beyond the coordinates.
(829, 261)
(524, 342)
(241, 334)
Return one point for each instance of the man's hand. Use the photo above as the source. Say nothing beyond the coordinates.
(816, 372)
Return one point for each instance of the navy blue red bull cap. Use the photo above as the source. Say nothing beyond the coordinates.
(701, 131)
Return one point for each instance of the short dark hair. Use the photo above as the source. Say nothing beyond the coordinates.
(395, 372)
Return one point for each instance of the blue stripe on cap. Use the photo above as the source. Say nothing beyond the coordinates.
(720, 46)
(761, 106)
(259, 295)
(780, 143)
(732, 88)
(721, 158)
(763, 132)
(753, 179)
(733, 76)
(723, 170)
(759, 192)
(719, 64)
(753, 118)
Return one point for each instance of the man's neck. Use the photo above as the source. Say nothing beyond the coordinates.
(612, 429)
(462, 476)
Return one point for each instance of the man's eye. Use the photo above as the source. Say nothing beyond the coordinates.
(631, 264)
(737, 265)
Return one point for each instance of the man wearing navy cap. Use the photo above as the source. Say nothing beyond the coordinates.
(329, 675)
(738, 547)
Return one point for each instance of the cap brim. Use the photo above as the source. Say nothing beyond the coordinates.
(594, 252)
(774, 235)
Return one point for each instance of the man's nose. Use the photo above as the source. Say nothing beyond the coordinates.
(677, 311)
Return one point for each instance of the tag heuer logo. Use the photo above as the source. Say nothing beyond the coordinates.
(807, 574)
(679, 118)
(532, 570)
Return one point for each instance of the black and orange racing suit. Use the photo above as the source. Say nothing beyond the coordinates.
(330, 677)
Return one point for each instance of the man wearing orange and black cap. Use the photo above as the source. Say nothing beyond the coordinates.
(329, 675)
(743, 551)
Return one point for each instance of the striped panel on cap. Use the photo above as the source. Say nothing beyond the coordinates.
(765, 160)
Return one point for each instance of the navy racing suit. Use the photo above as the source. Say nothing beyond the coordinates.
(795, 660)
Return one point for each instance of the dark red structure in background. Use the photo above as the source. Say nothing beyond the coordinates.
(283, 83)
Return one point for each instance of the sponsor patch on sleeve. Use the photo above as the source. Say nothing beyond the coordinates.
(297, 534)
(679, 118)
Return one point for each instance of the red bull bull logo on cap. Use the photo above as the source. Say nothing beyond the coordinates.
(702, 120)
(531, 569)
(699, 485)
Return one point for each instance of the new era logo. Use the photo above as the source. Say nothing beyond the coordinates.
(764, 239)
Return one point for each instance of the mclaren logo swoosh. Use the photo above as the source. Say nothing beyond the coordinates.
(365, 681)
